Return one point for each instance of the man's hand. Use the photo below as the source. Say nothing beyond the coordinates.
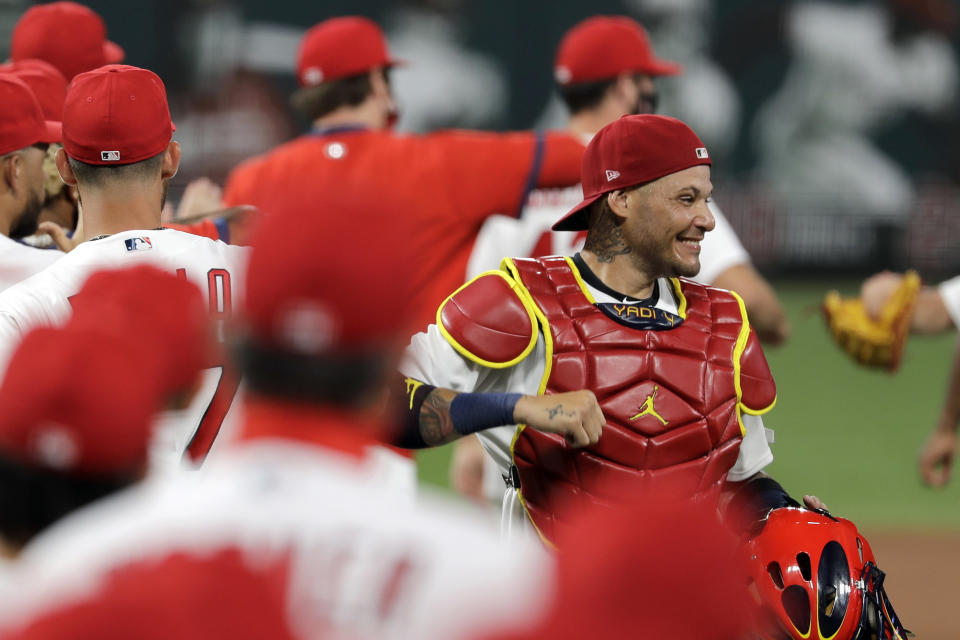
(936, 458)
(201, 196)
(813, 502)
(59, 235)
(876, 290)
(575, 415)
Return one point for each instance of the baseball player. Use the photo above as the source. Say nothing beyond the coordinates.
(295, 506)
(444, 184)
(70, 36)
(119, 153)
(678, 372)
(60, 201)
(24, 137)
(605, 68)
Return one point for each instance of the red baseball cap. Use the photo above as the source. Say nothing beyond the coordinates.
(116, 115)
(632, 151)
(48, 85)
(70, 36)
(21, 119)
(603, 47)
(339, 48)
(98, 421)
(154, 303)
(337, 284)
(79, 401)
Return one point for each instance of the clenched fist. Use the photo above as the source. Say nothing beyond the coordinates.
(575, 415)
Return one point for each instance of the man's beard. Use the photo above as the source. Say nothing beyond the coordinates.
(26, 224)
(646, 103)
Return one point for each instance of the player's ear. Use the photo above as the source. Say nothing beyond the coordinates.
(64, 168)
(171, 161)
(618, 202)
(9, 171)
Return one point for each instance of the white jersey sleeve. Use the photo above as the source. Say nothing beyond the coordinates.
(720, 249)
(19, 261)
(949, 291)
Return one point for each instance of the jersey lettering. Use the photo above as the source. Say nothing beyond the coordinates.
(220, 298)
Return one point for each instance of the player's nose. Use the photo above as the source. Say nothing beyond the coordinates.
(704, 217)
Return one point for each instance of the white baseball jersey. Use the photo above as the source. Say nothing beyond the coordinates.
(364, 561)
(949, 291)
(432, 359)
(529, 236)
(217, 268)
(19, 261)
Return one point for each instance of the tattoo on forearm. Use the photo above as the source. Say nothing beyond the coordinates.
(436, 425)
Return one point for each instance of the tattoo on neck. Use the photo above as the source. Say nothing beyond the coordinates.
(605, 241)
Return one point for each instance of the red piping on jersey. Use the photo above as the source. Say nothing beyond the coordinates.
(348, 432)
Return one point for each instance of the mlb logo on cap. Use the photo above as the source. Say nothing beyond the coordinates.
(110, 156)
(138, 244)
(702, 152)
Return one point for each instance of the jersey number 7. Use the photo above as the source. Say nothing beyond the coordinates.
(220, 298)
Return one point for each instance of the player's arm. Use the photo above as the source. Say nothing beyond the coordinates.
(435, 416)
(511, 165)
(747, 502)
(766, 314)
(936, 458)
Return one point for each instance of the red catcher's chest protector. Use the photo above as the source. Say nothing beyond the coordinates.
(672, 397)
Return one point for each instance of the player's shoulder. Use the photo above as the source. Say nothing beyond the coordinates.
(490, 320)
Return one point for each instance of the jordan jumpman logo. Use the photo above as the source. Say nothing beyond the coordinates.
(648, 409)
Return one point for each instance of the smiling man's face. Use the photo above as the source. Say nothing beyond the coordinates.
(666, 221)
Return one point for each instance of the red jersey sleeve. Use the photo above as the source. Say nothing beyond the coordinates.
(205, 228)
(493, 173)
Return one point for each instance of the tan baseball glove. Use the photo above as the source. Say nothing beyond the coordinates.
(873, 342)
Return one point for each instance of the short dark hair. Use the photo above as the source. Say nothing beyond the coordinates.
(32, 498)
(316, 102)
(585, 95)
(101, 175)
(343, 379)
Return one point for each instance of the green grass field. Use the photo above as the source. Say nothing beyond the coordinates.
(846, 434)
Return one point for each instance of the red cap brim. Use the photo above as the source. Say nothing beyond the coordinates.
(112, 53)
(53, 132)
(663, 68)
(576, 218)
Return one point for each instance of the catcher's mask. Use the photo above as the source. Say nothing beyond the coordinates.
(814, 577)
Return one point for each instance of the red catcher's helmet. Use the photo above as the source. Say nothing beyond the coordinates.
(815, 577)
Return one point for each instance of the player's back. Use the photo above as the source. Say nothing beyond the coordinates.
(367, 562)
(43, 299)
(216, 268)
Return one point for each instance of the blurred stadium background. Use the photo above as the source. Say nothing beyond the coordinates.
(835, 132)
(834, 124)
